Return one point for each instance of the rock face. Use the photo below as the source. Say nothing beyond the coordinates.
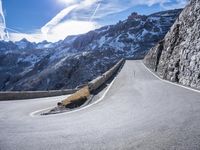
(177, 56)
(79, 59)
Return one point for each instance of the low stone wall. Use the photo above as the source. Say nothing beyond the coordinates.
(33, 94)
(99, 81)
(82, 94)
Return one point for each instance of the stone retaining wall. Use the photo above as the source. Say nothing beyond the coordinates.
(177, 57)
(99, 81)
(33, 94)
(85, 92)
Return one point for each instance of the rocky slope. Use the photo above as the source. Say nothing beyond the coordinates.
(78, 59)
(177, 56)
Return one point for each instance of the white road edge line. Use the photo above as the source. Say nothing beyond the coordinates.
(76, 110)
(176, 84)
(35, 112)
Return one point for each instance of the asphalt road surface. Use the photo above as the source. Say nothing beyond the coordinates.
(138, 112)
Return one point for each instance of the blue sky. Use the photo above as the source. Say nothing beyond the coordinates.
(28, 15)
(53, 20)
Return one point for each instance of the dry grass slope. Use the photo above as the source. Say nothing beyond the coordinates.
(80, 95)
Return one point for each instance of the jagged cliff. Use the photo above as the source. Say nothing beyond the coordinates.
(177, 56)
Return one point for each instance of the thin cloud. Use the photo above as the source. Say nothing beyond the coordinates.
(176, 4)
(57, 19)
(3, 32)
(97, 8)
(59, 27)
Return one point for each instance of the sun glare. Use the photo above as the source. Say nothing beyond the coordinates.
(67, 1)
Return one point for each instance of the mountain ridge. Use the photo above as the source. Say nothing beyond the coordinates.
(78, 59)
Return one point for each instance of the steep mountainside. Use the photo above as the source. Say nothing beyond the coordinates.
(129, 38)
(78, 59)
(177, 56)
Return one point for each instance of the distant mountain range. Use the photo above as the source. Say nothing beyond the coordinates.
(78, 59)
